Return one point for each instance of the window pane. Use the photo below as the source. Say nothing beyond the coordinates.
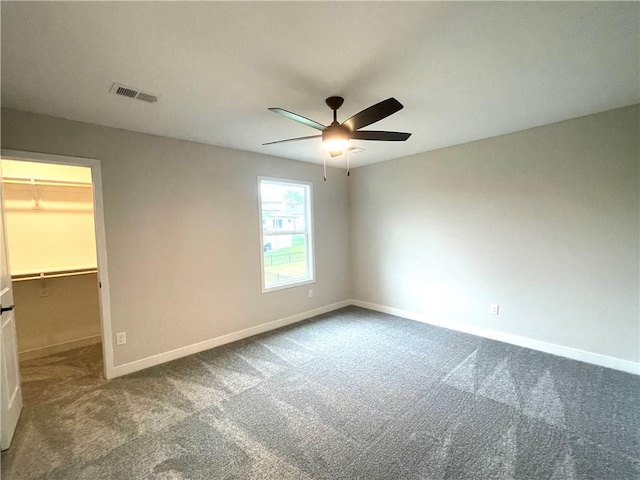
(283, 207)
(285, 233)
(285, 259)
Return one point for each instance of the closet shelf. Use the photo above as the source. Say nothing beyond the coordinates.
(44, 182)
(53, 274)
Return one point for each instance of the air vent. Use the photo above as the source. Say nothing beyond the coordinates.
(127, 92)
(147, 97)
(131, 92)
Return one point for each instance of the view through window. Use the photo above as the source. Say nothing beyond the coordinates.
(285, 215)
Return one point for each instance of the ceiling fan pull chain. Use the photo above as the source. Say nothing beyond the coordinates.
(324, 164)
(348, 168)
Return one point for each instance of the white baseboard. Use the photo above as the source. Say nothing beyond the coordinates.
(222, 340)
(58, 347)
(555, 349)
(563, 351)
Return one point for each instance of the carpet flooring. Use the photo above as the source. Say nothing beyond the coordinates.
(353, 394)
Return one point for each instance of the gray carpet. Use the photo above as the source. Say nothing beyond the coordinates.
(349, 395)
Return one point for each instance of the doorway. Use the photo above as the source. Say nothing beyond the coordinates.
(54, 227)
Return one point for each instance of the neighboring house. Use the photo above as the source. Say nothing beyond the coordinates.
(281, 218)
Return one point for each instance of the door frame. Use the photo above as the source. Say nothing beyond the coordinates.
(100, 234)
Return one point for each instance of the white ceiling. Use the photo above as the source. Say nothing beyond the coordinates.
(464, 71)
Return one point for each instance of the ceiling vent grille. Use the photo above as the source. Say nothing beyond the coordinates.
(147, 97)
(130, 92)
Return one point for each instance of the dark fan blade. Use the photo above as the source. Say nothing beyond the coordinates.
(380, 135)
(298, 118)
(293, 139)
(373, 114)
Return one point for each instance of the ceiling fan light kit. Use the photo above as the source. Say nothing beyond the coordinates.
(336, 137)
(335, 140)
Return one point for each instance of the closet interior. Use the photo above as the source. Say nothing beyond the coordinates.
(49, 221)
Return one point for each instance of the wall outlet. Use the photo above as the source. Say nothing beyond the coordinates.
(495, 309)
(121, 338)
(310, 293)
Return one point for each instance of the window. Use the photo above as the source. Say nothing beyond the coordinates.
(286, 240)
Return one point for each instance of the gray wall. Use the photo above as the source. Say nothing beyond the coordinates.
(544, 222)
(183, 235)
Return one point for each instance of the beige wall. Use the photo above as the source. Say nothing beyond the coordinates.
(49, 227)
(45, 171)
(56, 311)
(544, 222)
(183, 234)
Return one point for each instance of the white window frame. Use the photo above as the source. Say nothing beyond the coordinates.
(308, 232)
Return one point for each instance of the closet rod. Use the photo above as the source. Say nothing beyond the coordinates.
(57, 274)
(35, 181)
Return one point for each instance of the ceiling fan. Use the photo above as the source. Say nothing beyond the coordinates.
(335, 137)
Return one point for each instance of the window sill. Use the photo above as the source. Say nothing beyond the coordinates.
(284, 286)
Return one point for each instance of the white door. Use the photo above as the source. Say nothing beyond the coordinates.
(9, 367)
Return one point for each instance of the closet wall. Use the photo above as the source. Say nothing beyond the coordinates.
(52, 256)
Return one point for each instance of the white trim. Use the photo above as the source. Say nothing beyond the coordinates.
(284, 286)
(552, 348)
(58, 347)
(309, 232)
(222, 340)
(101, 240)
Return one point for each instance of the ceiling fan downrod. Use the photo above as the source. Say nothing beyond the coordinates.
(334, 103)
